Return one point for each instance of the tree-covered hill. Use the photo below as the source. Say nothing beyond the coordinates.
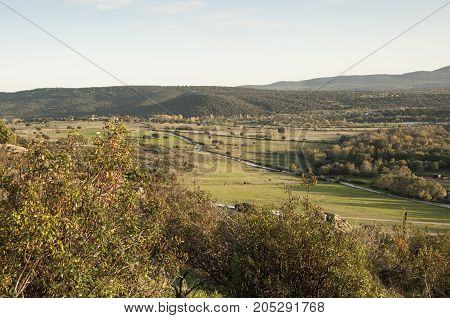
(198, 101)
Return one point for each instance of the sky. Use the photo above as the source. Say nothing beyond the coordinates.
(212, 42)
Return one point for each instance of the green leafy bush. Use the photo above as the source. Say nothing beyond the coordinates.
(410, 262)
(82, 221)
(281, 254)
(7, 136)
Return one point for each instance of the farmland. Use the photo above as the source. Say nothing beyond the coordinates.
(232, 182)
(229, 181)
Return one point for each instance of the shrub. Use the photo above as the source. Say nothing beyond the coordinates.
(86, 222)
(411, 262)
(7, 136)
(262, 253)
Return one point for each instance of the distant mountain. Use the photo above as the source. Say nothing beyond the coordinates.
(416, 80)
(144, 101)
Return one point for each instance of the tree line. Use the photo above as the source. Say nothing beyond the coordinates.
(393, 156)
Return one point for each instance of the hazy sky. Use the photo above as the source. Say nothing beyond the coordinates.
(215, 42)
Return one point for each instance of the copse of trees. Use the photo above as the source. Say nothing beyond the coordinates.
(421, 148)
(391, 156)
(403, 181)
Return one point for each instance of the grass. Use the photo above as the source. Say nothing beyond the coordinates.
(263, 145)
(276, 153)
(231, 182)
(60, 129)
(167, 141)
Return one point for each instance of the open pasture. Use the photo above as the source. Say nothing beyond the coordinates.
(231, 182)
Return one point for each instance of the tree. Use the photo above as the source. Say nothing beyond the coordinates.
(325, 169)
(417, 165)
(434, 166)
(366, 168)
(402, 180)
(309, 180)
(7, 136)
(293, 168)
(350, 169)
(437, 190)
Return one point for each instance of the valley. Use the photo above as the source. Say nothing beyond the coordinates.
(215, 152)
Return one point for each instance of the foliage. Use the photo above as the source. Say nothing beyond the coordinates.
(7, 136)
(293, 168)
(287, 254)
(423, 148)
(403, 181)
(410, 262)
(79, 221)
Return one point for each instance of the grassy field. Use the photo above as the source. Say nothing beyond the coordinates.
(266, 152)
(166, 140)
(231, 182)
(265, 145)
(60, 129)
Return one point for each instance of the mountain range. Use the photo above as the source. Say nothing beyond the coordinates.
(387, 92)
(416, 80)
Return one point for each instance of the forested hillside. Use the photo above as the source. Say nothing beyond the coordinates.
(199, 101)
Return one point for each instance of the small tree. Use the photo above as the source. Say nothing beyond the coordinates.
(309, 180)
(293, 168)
(7, 136)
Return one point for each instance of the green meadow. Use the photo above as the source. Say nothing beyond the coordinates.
(230, 182)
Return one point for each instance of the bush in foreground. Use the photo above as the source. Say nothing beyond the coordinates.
(79, 221)
(285, 254)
